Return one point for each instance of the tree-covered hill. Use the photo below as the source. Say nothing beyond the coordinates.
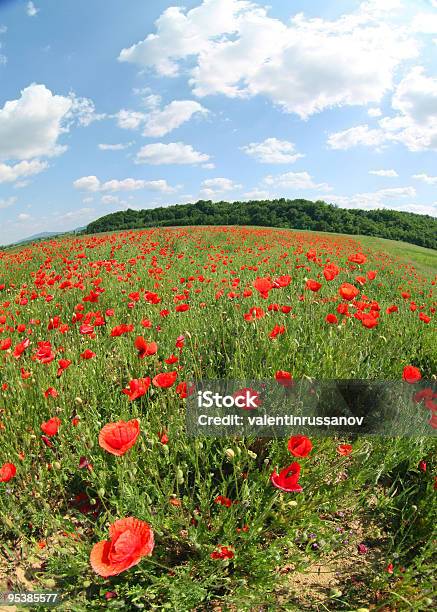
(296, 214)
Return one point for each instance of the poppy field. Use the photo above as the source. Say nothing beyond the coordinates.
(104, 498)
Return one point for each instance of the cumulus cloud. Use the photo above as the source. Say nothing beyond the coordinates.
(31, 126)
(272, 151)
(172, 116)
(11, 173)
(159, 122)
(171, 153)
(385, 173)
(382, 198)
(414, 125)
(212, 187)
(374, 112)
(358, 135)
(94, 185)
(429, 180)
(238, 50)
(295, 181)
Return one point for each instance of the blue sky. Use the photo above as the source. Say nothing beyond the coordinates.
(110, 104)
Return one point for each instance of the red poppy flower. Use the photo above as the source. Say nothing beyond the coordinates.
(344, 449)
(358, 258)
(117, 438)
(44, 353)
(369, 321)
(224, 552)
(313, 285)
(331, 319)
(51, 427)
(5, 344)
(284, 378)
(299, 446)
(287, 479)
(330, 271)
(276, 331)
(165, 379)
(51, 392)
(145, 348)
(348, 291)
(411, 374)
(87, 354)
(7, 472)
(263, 285)
(130, 541)
(20, 348)
(63, 365)
(137, 388)
(223, 501)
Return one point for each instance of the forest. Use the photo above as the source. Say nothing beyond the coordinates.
(295, 214)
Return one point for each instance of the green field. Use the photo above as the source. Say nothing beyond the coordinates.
(219, 303)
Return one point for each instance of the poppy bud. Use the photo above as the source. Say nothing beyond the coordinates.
(179, 476)
(229, 453)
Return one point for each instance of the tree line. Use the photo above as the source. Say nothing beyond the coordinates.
(294, 214)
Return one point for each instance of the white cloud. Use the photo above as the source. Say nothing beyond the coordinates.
(129, 120)
(295, 181)
(161, 122)
(386, 173)
(429, 180)
(114, 147)
(31, 9)
(425, 23)
(382, 198)
(83, 111)
(171, 153)
(238, 50)
(93, 184)
(11, 173)
(3, 60)
(257, 194)
(273, 151)
(354, 136)
(6, 203)
(374, 112)
(160, 185)
(414, 125)
(211, 187)
(30, 126)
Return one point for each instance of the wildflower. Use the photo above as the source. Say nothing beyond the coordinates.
(117, 438)
(130, 541)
